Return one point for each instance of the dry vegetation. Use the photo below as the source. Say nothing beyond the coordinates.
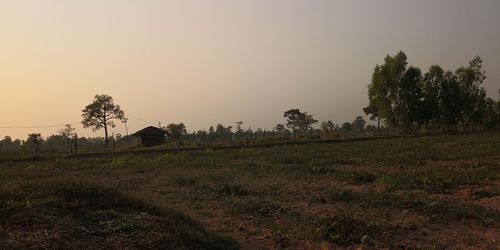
(416, 193)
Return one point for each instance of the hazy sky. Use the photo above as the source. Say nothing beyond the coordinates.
(204, 62)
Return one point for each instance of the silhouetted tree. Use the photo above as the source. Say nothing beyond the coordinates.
(299, 121)
(358, 125)
(177, 132)
(394, 93)
(67, 133)
(35, 140)
(347, 127)
(327, 127)
(239, 131)
(473, 98)
(101, 113)
(440, 100)
(281, 130)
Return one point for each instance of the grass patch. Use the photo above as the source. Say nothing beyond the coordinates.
(347, 228)
(95, 217)
(258, 209)
(440, 180)
(231, 190)
(438, 211)
(181, 180)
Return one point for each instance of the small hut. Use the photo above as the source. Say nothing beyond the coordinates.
(151, 136)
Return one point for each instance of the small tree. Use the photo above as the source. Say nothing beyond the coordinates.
(292, 120)
(280, 129)
(327, 127)
(299, 121)
(239, 131)
(359, 125)
(177, 132)
(35, 140)
(347, 127)
(67, 133)
(101, 113)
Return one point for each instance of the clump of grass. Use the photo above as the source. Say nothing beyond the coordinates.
(259, 209)
(347, 228)
(231, 190)
(439, 180)
(181, 180)
(435, 209)
(321, 170)
(485, 194)
(134, 161)
(110, 221)
(355, 177)
(340, 195)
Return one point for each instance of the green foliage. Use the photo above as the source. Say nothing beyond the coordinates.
(442, 101)
(299, 122)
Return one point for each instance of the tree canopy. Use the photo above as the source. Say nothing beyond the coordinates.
(101, 113)
(438, 100)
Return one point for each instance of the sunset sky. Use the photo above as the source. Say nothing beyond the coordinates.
(207, 62)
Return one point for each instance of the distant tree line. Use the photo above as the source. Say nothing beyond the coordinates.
(402, 100)
(407, 101)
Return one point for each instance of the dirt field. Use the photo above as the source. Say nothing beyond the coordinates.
(410, 193)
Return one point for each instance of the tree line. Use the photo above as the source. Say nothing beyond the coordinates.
(402, 100)
(408, 101)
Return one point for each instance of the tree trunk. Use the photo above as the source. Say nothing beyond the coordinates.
(106, 134)
(378, 127)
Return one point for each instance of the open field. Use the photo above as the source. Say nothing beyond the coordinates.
(417, 193)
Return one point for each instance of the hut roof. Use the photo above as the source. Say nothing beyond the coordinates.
(150, 131)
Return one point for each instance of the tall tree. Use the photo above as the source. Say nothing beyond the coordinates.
(409, 101)
(473, 94)
(384, 90)
(101, 113)
(433, 82)
(449, 103)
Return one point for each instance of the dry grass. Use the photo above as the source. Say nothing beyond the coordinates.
(402, 193)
